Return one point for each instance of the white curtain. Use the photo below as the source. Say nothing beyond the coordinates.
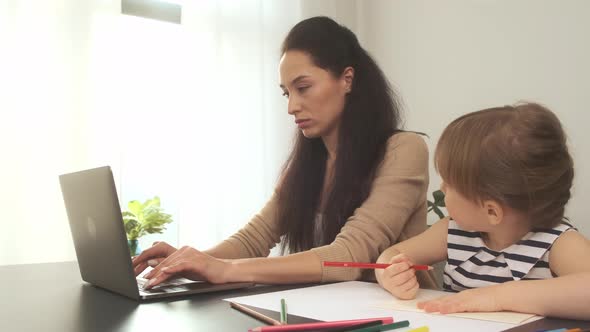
(43, 59)
(191, 113)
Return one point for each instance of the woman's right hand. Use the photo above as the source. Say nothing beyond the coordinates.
(400, 278)
(152, 256)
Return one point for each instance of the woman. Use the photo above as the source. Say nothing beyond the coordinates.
(353, 185)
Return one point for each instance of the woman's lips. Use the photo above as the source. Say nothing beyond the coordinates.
(303, 123)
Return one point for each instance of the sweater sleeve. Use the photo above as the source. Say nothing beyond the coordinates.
(260, 235)
(398, 190)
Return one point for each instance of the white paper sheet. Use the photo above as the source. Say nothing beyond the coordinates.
(356, 299)
(428, 294)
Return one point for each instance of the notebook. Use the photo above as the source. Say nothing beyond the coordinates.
(96, 224)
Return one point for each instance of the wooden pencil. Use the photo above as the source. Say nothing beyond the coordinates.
(255, 314)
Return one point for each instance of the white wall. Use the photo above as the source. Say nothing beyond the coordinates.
(343, 11)
(456, 56)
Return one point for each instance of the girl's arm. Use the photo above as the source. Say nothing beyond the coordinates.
(428, 248)
(567, 295)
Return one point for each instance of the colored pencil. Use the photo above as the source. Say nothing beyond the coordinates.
(319, 325)
(387, 327)
(283, 312)
(354, 327)
(372, 265)
(254, 314)
(420, 329)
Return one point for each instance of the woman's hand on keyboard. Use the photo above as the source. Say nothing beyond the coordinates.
(186, 262)
(152, 256)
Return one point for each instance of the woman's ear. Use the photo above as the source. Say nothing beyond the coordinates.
(347, 77)
(494, 212)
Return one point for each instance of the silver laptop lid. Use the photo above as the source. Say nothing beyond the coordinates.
(96, 224)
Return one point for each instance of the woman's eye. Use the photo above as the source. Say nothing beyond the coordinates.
(285, 94)
(302, 89)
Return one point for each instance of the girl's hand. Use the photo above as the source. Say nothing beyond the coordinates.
(400, 279)
(472, 300)
(192, 264)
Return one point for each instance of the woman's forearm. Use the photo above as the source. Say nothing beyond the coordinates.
(296, 268)
(566, 297)
(224, 250)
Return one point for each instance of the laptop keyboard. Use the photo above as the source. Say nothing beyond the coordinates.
(170, 286)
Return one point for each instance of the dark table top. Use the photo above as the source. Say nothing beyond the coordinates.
(52, 297)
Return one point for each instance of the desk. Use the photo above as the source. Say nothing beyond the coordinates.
(52, 297)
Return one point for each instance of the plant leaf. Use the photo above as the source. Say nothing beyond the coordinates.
(145, 218)
(439, 198)
(130, 224)
(438, 212)
(154, 202)
(135, 208)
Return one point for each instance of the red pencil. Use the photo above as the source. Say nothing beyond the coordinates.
(372, 265)
(319, 325)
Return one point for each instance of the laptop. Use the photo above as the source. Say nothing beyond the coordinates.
(96, 223)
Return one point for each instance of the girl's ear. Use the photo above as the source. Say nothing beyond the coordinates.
(347, 77)
(494, 212)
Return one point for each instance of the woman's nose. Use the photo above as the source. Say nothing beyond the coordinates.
(293, 105)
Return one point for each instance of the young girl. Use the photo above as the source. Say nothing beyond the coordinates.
(506, 176)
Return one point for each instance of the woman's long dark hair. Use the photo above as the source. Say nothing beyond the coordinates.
(371, 115)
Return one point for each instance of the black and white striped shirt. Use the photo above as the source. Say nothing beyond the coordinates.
(471, 264)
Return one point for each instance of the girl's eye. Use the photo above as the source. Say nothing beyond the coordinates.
(285, 94)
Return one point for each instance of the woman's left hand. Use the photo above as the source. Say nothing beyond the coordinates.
(192, 264)
(472, 300)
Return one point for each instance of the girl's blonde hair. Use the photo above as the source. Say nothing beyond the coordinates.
(516, 155)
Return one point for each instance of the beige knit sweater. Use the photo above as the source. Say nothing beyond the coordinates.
(395, 210)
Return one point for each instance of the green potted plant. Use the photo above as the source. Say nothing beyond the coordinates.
(435, 206)
(439, 201)
(143, 218)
